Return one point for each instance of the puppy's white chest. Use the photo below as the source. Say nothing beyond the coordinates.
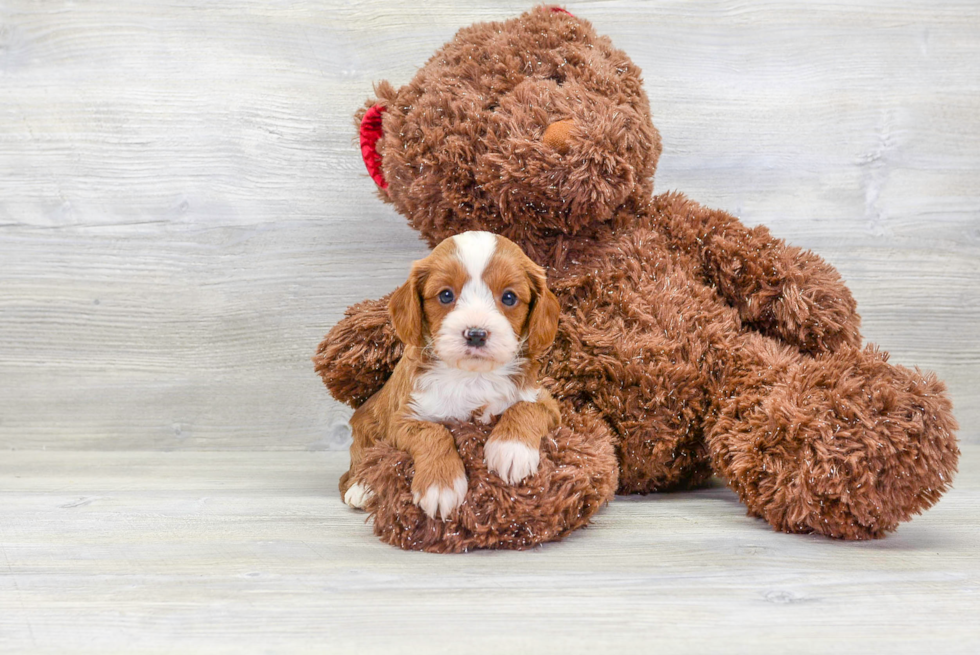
(443, 394)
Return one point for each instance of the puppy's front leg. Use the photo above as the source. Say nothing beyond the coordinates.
(440, 483)
(513, 449)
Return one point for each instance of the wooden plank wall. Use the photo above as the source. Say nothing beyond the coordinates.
(183, 212)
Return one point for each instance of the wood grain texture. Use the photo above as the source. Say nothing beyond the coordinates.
(183, 212)
(254, 552)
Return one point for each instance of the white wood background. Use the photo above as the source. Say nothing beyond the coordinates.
(183, 213)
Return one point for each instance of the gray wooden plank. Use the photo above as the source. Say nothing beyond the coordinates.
(250, 552)
(183, 212)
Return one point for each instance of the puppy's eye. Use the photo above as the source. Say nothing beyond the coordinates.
(446, 296)
(509, 298)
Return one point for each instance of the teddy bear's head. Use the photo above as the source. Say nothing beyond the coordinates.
(529, 128)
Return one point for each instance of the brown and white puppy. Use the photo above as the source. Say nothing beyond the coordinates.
(474, 317)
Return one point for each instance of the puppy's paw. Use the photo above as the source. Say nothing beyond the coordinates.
(358, 495)
(511, 460)
(483, 415)
(439, 500)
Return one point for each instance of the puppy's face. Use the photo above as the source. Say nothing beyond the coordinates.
(477, 302)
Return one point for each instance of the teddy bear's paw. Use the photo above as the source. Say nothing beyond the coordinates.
(359, 353)
(814, 311)
(358, 495)
(846, 445)
(511, 460)
(440, 501)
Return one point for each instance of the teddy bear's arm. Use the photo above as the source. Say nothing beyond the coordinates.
(358, 355)
(780, 290)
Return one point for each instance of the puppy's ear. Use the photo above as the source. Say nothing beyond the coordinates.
(406, 310)
(542, 321)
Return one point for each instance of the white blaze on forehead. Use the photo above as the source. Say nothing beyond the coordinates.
(474, 250)
(476, 303)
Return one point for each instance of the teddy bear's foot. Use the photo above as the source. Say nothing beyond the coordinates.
(652, 459)
(844, 445)
(576, 476)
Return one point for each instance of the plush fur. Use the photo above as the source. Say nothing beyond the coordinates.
(576, 477)
(704, 346)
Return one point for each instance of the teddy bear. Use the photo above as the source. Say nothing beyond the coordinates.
(694, 345)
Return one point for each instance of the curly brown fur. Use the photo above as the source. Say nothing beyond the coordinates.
(778, 290)
(462, 143)
(704, 346)
(843, 444)
(576, 477)
(358, 355)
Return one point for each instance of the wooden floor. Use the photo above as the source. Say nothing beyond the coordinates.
(253, 552)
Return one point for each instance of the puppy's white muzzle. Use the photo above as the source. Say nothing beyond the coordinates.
(475, 336)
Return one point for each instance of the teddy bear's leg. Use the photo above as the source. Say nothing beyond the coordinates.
(655, 404)
(358, 355)
(652, 458)
(643, 347)
(843, 444)
(647, 375)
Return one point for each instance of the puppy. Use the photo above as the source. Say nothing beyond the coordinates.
(474, 317)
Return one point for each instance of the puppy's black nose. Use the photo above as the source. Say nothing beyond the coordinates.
(476, 337)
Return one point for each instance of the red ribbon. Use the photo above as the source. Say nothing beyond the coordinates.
(371, 131)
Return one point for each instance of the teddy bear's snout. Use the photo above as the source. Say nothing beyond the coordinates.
(560, 160)
(556, 135)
